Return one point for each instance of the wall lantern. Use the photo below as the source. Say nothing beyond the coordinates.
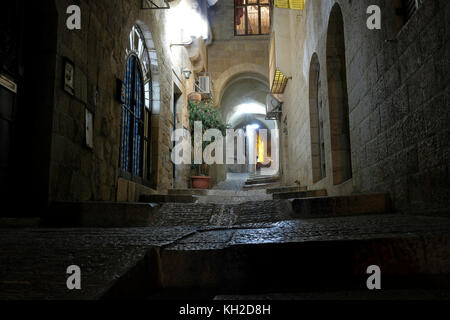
(187, 73)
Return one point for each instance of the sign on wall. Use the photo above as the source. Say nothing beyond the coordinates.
(89, 129)
(69, 77)
(8, 83)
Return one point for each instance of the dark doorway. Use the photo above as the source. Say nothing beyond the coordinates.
(338, 98)
(28, 59)
(177, 96)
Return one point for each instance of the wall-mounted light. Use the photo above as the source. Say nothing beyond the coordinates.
(187, 73)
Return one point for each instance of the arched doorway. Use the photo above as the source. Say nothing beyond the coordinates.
(28, 60)
(338, 98)
(316, 121)
(243, 108)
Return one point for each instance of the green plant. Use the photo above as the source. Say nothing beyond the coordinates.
(210, 117)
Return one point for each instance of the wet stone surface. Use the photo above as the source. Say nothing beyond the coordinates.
(333, 229)
(34, 261)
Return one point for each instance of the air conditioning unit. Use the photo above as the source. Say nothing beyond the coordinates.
(204, 84)
(274, 108)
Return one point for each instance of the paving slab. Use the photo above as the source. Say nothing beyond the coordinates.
(34, 261)
(101, 214)
(165, 198)
(286, 189)
(358, 204)
(325, 253)
(300, 194)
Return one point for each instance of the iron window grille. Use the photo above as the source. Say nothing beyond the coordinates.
(252, 17)
(136, 112)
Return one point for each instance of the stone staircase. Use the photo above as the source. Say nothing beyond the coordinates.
(326, 255)
(275, 242)
(261, 182)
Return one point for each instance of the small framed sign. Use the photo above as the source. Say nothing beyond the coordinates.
(8, 83)
(121, 91)
(69, 77)
(89, 129)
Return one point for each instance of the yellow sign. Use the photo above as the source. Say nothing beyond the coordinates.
(290, 4)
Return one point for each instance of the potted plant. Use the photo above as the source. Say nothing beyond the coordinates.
(210, 117)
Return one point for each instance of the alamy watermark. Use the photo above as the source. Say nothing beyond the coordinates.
(236, 147)
(74, 20)
(74, 279)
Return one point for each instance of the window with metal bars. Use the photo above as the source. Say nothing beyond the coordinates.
(137, 102)
(252, 17)
(135, 135)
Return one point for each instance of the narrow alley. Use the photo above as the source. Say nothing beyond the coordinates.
(218, 150)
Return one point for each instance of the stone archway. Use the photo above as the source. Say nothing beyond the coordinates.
(338, 98)
(316, 121)
(242, 106)
(236, 72)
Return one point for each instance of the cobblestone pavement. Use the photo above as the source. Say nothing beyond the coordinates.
(34, 261)
(235, 181)
(332, 229)
(216, 213)
(231, 192)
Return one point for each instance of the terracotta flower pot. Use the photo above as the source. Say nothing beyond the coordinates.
(201, 182)
(195, 97)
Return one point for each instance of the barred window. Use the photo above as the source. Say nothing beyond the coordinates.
(136, 109)
(252, 17)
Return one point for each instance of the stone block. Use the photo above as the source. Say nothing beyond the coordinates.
(300, 194)
(188, 192)
(362, 204)
(163, 198)
(286, 189)
(100, 215)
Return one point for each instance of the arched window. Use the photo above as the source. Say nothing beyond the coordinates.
(316, 121)
(338, 98)
(137, 98)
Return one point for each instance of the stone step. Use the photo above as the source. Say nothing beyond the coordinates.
(100, 215)
(236, 193)
(261, 180)
(261, 186)
(361, 204)
(13, 223)
(164, 198)
(355, 295)
(220, 199)
(286, 189)
(333, 256)
(188, 192)
(300, 194)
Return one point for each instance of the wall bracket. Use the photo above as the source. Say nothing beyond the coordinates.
(154, 4)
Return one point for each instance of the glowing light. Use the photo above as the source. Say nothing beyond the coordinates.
(247, 108)
(260, 150)
(185, 22)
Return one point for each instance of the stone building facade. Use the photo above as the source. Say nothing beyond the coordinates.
(364, 110)
(383, 97)
(69, 170)
(99, 54)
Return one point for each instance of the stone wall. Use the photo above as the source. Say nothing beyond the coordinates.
(398, 98)
(98, 51)
(231, 58)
